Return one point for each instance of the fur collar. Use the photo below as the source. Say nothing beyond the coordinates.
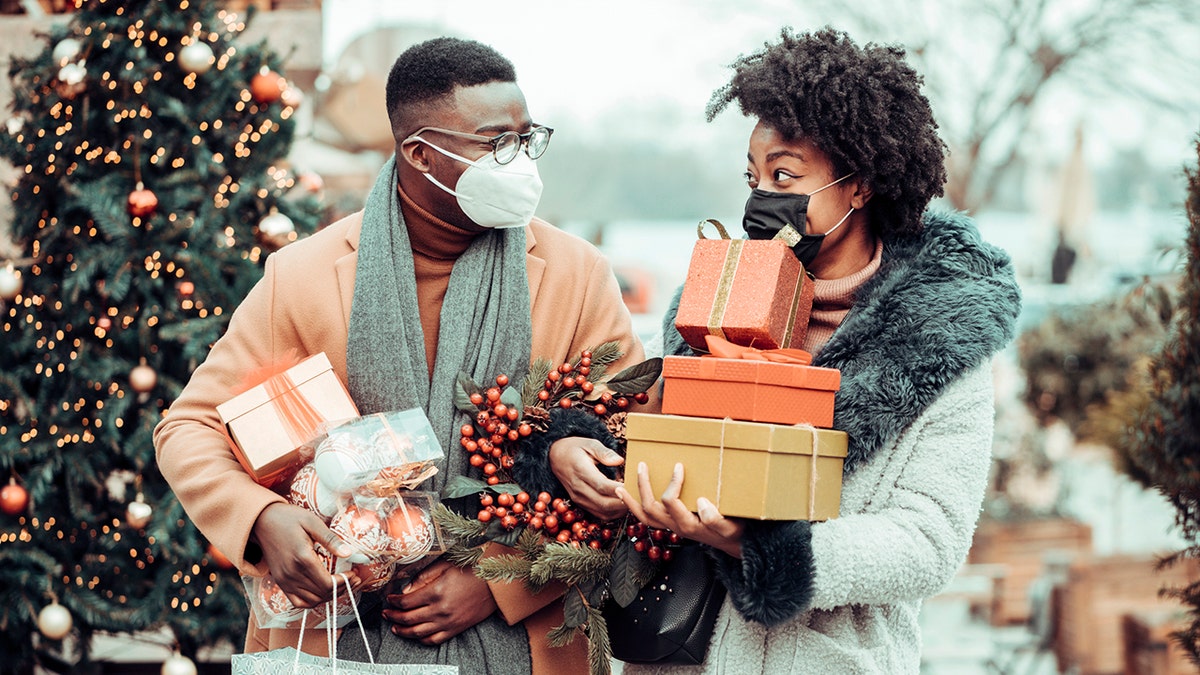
(943, 302)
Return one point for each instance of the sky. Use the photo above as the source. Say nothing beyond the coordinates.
(583, 65)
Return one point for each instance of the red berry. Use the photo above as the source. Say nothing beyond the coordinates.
(551, 521)
(497, 452)
(504, 499)
(496, 438)
(509, 522)
(500, 511)
(518, 508)
(641, 397)
(500, 410)
(553, 376)
(640, 545)
(502, 429)
(522, 497)
(667, 554)
(476, 460)
(606, 397)
(657, 534)
(513, 414)
(484, 516)
(508, 462)
(595, 543)
(544, 497)
(486, 499)
(568, 382)
(674, 538)
(587, 353)
(568, 517)
(471, 446)
(524, 429)
(540, 507)
(477, 398)
(560, 507)
(536, 522)
(482, 418)
(543, 395)
(631, 531)
(493, 394)
(654, 553)
(586, 360)
(502, 380)
(622, 403)
(585, 370)
(489, 469)
(563, 537)
(513, 435)
(586, 387)
(493, 480)
(600, 409)
(565, 368)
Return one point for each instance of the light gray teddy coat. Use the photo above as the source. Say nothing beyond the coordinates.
(843, 596)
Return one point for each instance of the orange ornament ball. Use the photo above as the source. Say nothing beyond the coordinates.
(186, 288)
(267, 86)
(13, 499)
(142, 202)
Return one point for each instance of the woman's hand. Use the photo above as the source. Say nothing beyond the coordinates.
(709, 527)
(574, 461)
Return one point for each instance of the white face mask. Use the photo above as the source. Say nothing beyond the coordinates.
(495, 195)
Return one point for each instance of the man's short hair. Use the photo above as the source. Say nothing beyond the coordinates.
(429, 71)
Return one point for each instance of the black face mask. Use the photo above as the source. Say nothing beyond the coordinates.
(769, 212)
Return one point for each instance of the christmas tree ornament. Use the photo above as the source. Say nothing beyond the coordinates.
(13, 498)
(142, 202)
(276, 230)
(292, 97)
(54, 621)
(186, 289)
(219, 559)
(104, 323)
(71, 80)
(267, 86)
(143, 378)
(178, 664)
(311, 181)
(196, 58)
(15, 124)
(66, 51)
(10, 282)
(138, 513)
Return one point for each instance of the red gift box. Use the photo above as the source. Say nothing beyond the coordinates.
(750, 292)
(749, 390)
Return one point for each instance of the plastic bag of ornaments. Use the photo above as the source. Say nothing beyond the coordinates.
(397, 447)
(273, 609)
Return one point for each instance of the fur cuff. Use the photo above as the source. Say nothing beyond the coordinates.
(773, 582)
(532, 467)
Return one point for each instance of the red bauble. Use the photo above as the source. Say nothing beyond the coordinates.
(13, 499)
(267, 86)
(142, 202)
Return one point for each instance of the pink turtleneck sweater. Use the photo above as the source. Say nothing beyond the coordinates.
(832, 300)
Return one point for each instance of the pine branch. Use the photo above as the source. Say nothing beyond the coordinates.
(538, 371)
(459, 528)
(599, 648)
(561, 636)
(606, 354)
(570, 565)
(503, 568)
(463, 556)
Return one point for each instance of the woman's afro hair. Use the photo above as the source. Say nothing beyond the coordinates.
(862, 106)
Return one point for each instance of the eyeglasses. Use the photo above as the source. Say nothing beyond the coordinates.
(505, 146)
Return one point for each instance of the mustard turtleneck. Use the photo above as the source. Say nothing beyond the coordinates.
(436, 245)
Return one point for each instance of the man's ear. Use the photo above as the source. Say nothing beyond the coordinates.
(862, 194)
(415, 153)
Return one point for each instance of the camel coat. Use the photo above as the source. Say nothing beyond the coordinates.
(302, 303)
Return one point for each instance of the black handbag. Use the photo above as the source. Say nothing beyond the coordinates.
(672, 619)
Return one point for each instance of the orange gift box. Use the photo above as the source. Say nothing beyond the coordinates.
(747, 469)
(750, 292)
(268, 425)
(749, 390)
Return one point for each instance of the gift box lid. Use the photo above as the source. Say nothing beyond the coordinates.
(732, 434)
(261, 394)
(749, 370)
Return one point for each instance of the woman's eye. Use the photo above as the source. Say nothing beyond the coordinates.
(780, 175)
(750, 179)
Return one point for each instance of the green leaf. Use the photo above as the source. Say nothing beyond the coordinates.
(498, 534)
(461, 486)
(462, 394)
(623, 575)
(511, 397)
(575, 610)
(636, 378)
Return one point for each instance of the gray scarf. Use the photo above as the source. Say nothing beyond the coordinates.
(485, 330)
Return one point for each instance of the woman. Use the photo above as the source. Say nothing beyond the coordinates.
(910, 306)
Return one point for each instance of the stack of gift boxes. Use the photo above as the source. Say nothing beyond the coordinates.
(300, 434)
(750, 418)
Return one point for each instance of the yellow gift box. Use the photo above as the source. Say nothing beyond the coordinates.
(268, 425)
(747, 469)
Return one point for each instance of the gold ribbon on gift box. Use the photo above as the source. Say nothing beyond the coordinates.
(812, 465)
(789, 236)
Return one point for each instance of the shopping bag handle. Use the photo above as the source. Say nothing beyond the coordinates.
(330, 622)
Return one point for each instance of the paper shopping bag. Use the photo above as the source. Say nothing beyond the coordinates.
(287, 661)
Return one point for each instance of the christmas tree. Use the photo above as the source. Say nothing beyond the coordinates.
(153, 183)
(1165, 441)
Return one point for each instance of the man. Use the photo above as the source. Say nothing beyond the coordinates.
(444, 270)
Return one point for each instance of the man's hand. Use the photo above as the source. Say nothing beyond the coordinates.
(286, 533)
(573, 461)
(443, 601)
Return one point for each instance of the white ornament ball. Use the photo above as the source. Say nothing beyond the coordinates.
(143, 378)
(72, 74)
(275, 224)
(14, 125)
(196, 58)
(10, 283)
(54, 621)
(138, 513)
(178, 665)
(66, 50)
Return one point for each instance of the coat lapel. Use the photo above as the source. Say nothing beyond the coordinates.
(345, 267)
(534, 266)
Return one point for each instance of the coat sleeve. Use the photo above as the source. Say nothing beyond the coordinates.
(191, 449)
(908, 544)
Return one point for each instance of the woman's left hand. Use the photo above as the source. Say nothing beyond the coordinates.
(709, 527)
